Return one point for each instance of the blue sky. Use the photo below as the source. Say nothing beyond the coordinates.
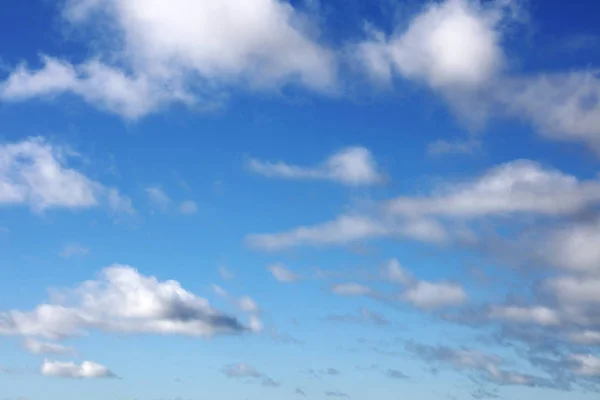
(262, 199)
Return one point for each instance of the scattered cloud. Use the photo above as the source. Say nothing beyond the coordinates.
(188, 207)
(283, 274)
(246, 371)
(364, 316)
(140, 73)
(38, 347)
(444, 147)
(431, 295)
(85, 370)
(300, 392)
(352, 166)
(351, 289)
(34, 172)
(226, 274)
(111, 303)
(343, 230)
(74, 250)
(337, 394)
(158, 198)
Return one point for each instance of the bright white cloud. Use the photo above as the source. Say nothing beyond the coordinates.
(521, 186)
(122, 300)
(352, 166)
(186, 51)
(283, 274)
(452, 43)
(35, 173)
(87, 369)
(38, 347)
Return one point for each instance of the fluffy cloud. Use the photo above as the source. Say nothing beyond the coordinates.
(431, 295)
(38, 347)
(452, 43)
(188, 52)
(122, 300)
(352, 166)
(87, 369)
(520, 186)
(283, 274)
(33, 172)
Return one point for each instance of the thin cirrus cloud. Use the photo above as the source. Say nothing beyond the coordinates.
(35, 173)
(85, 370)
(283, 274)
(351, 166)
(40, 347)
(110, 304)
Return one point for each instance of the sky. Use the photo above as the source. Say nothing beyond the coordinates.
(320, 199)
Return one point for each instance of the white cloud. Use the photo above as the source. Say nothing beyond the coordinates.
(452, 43)
(587, 365)
(185, 51)
(158, 197)
(188, 207)
(351, 289)
(563, 106)
(122, 300)
(283, 274)
(226, 273)
(393, 271)
(87, 369)
(74, 250)
(587, 337)
(575, 247)
(431, 295)
(520, 314)
(35, 173)
(343, 230)
(245, 304)
(521, 186)
(352, 166)
(39, 347)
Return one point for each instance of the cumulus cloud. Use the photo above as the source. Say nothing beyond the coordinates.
(245, 304)
(283, 274)
(125, 301)
(520, 186)
(240, 371)
(188, 52)
(352, 166)
(35, 173)
(86, 370)
(39, 347)
(451, 43)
